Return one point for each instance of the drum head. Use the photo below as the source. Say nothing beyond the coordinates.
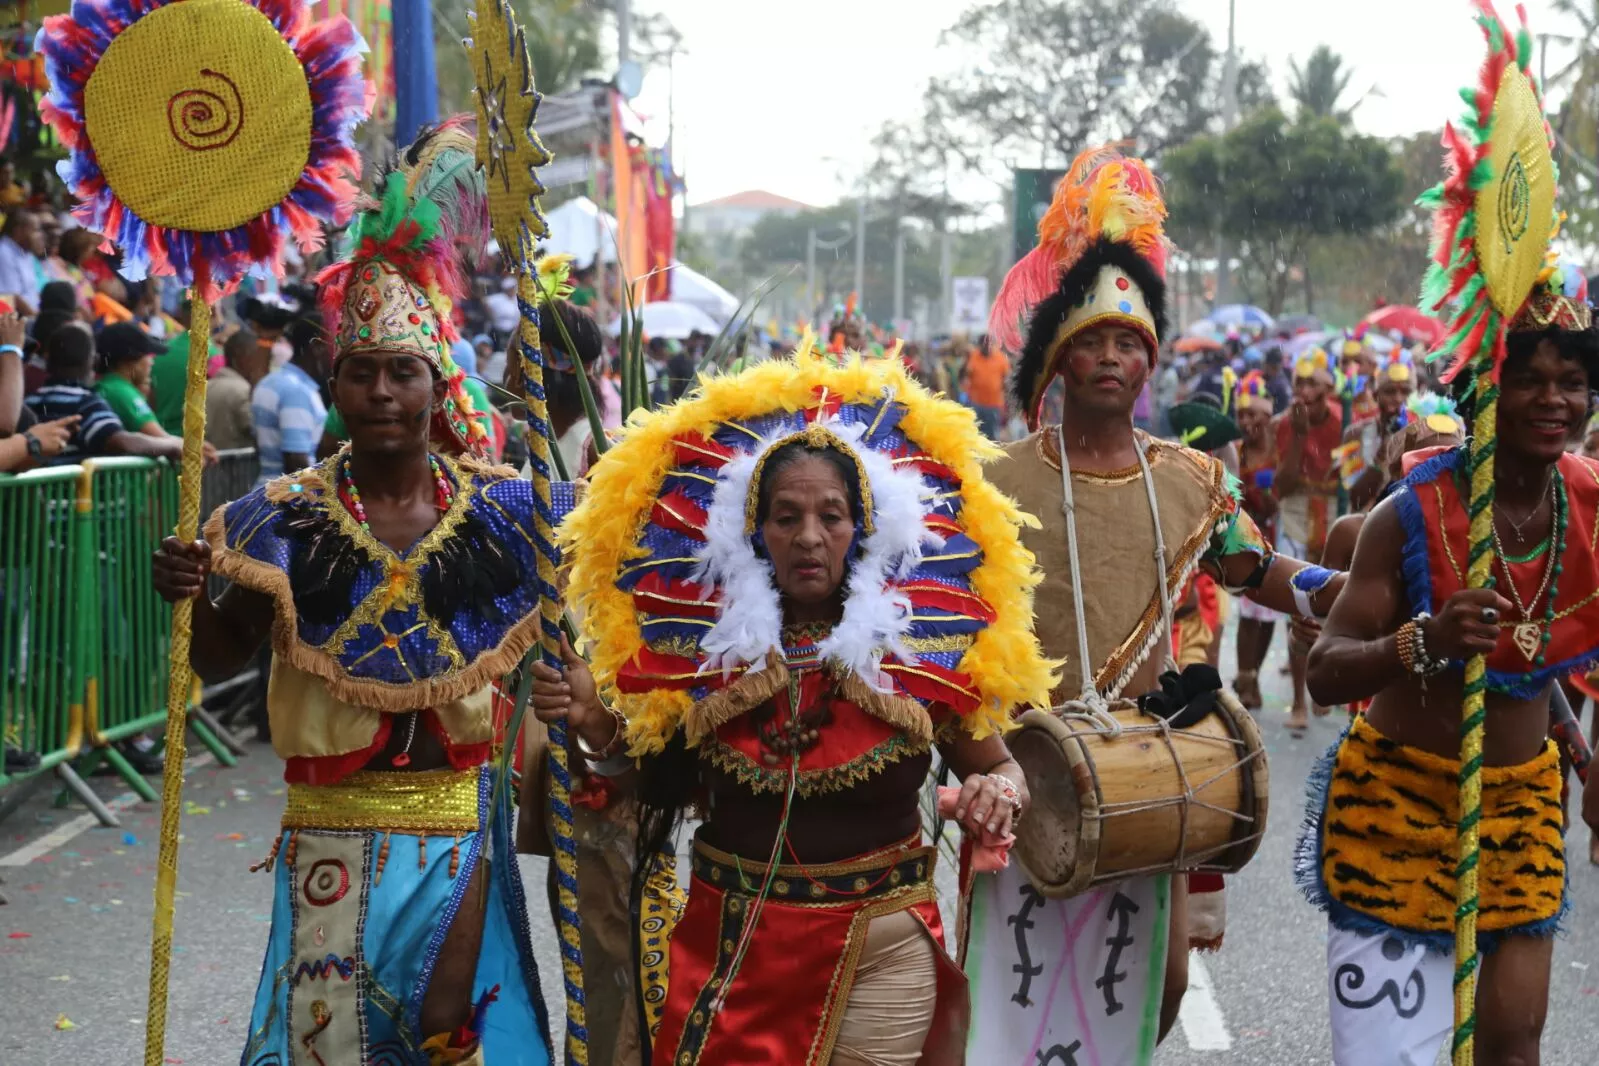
(1057, 841)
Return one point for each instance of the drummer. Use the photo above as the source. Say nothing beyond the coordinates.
(1087, 307)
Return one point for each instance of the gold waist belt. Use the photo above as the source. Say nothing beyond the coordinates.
(436, 802)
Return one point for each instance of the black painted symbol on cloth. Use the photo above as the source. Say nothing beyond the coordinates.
(1122, 909)
(1349, 978)
(1060, 1056)
(1024, 965)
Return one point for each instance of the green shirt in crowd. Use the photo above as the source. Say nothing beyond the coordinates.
(125, 399)
(168, 377)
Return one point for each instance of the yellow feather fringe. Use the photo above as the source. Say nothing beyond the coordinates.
(1005, 662)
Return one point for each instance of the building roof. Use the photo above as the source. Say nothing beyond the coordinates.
(757, 200)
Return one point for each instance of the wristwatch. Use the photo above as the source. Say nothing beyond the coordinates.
(35, 449)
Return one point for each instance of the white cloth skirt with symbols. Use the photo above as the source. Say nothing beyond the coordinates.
(1073, 982)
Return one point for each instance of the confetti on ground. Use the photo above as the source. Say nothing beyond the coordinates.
(63, 1022)
(62, 977)
(1579, 965)
(69, 899)
(19, 936)
(129, 839)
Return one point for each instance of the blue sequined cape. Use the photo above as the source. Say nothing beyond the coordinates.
(386, 649)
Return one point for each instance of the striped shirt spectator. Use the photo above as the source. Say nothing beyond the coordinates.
(288, 412)
(98, 423)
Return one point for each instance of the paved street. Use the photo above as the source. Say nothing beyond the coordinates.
(75, 935)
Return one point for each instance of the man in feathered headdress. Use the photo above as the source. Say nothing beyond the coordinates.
(396, 583)
(1393, 384)
(1308, 435)
(1435, 836)
(1087, 307)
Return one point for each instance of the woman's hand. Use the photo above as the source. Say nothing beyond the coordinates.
(179, 570)
(568, 695)
(983, 807)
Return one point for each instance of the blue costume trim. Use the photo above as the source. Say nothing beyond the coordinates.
(1417, 573)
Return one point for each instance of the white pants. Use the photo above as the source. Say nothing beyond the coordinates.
(1391, 1005)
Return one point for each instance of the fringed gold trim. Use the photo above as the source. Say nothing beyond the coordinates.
(741, 697)
(901, 712)
(267, 579)
(807, 783)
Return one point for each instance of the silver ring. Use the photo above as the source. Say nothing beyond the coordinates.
(1490, 616)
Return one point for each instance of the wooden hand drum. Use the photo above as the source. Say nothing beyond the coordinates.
(1152, 800)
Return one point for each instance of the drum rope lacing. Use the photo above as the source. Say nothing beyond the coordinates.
(1091, 704)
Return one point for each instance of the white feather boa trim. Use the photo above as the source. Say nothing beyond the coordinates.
(876, 614)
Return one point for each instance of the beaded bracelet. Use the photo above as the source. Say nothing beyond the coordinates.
(1412, 647)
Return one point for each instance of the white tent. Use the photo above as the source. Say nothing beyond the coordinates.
(695, 289)
(580, 229)
(673, 321)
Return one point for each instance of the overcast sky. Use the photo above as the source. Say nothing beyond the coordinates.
(784, 97)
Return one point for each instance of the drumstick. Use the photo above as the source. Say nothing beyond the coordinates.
(1567, 731)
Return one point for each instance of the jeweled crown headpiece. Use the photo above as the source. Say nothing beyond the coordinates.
(396, 290)
(1101, 259)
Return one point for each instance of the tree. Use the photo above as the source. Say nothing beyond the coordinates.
(1318, 86)
(1386, 264)
(1048, 79)
(1576, 122)
(1276, 187)
(563, 46)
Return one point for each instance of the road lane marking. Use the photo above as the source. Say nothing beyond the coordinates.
(61, 834)
(1201, 1018)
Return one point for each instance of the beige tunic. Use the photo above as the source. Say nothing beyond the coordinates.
(1117, 539)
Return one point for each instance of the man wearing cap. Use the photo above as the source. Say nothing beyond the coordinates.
(127, 353)
(1307, 487)
(1087, 308)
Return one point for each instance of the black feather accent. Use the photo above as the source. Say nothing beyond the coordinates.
(470, 569)
(324, 564)
(1074, 285)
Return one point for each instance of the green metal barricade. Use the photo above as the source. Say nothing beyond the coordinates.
(134, 504)
(83, 635)
(43, 659)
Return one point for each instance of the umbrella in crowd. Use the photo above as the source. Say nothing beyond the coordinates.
(1297, 324)
(1187, 345)
(1243, 316)
(1412, 322)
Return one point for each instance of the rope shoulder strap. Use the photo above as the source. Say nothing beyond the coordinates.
(1091, 704)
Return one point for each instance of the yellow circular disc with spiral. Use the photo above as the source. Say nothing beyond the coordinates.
(200, 115)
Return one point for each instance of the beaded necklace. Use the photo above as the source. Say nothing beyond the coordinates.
(1531, 636)
(444, 491)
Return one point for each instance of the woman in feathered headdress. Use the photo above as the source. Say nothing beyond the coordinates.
(396, 583)
(797, 582)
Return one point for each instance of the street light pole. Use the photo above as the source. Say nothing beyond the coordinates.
(899, 271)
(810, 275)
(860, 248)
(624, 31)
(1229, 119)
